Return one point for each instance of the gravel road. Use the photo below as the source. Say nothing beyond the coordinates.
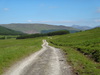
(47, 61)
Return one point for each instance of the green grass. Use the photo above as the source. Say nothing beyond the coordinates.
(13, 50)
(80, 64)
(82, 50)
(87, 42)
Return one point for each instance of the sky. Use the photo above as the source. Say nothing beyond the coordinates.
(57, 12)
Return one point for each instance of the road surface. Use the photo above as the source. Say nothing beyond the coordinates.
(47, 61)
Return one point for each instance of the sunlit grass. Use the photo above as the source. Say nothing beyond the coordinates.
(14, 50)
(82, 50)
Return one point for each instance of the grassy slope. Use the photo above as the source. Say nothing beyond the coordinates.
(33, 28)
(13, 50)
(4, 31)
(87, 40)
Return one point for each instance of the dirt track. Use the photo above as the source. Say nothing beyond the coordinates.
(47, 61)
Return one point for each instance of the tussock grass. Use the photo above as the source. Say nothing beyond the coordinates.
(81, 64)
(82, 50)
(13, 50)
(87, 42)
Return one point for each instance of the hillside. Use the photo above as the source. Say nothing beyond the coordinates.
(81, 27)
(6, 31)
(82, 50)
(38, 28)
(86, 42)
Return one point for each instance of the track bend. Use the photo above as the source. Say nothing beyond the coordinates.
(47, 61)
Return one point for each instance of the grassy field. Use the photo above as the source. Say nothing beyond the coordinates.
(12, 50)
(82, 50)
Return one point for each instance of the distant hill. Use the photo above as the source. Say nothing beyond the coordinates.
(81, 27)
(6, 31)
(38, 28)
(98, 26)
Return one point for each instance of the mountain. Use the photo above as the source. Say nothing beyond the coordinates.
(38, 28)
(6, 31)
(98, 26)
(81, 27)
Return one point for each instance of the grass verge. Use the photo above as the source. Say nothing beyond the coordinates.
(13, 50)
(80, 64)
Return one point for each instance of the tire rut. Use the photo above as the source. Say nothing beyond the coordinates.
(47, 61)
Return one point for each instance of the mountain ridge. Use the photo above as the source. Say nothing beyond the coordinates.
(81, 27)
(37, 28)
(7, 31)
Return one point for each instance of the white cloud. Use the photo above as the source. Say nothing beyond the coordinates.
(59, 22)
(66, 21)
(98, 20)
(5, 9)
(29, 20)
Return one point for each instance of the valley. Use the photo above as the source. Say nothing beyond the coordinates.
(81, 51)
(49, 37)
(38, 28)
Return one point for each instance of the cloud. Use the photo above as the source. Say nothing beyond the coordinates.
(98, 20)
(61, 22)
(5, 9)
(29, 21)
(66, 21)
